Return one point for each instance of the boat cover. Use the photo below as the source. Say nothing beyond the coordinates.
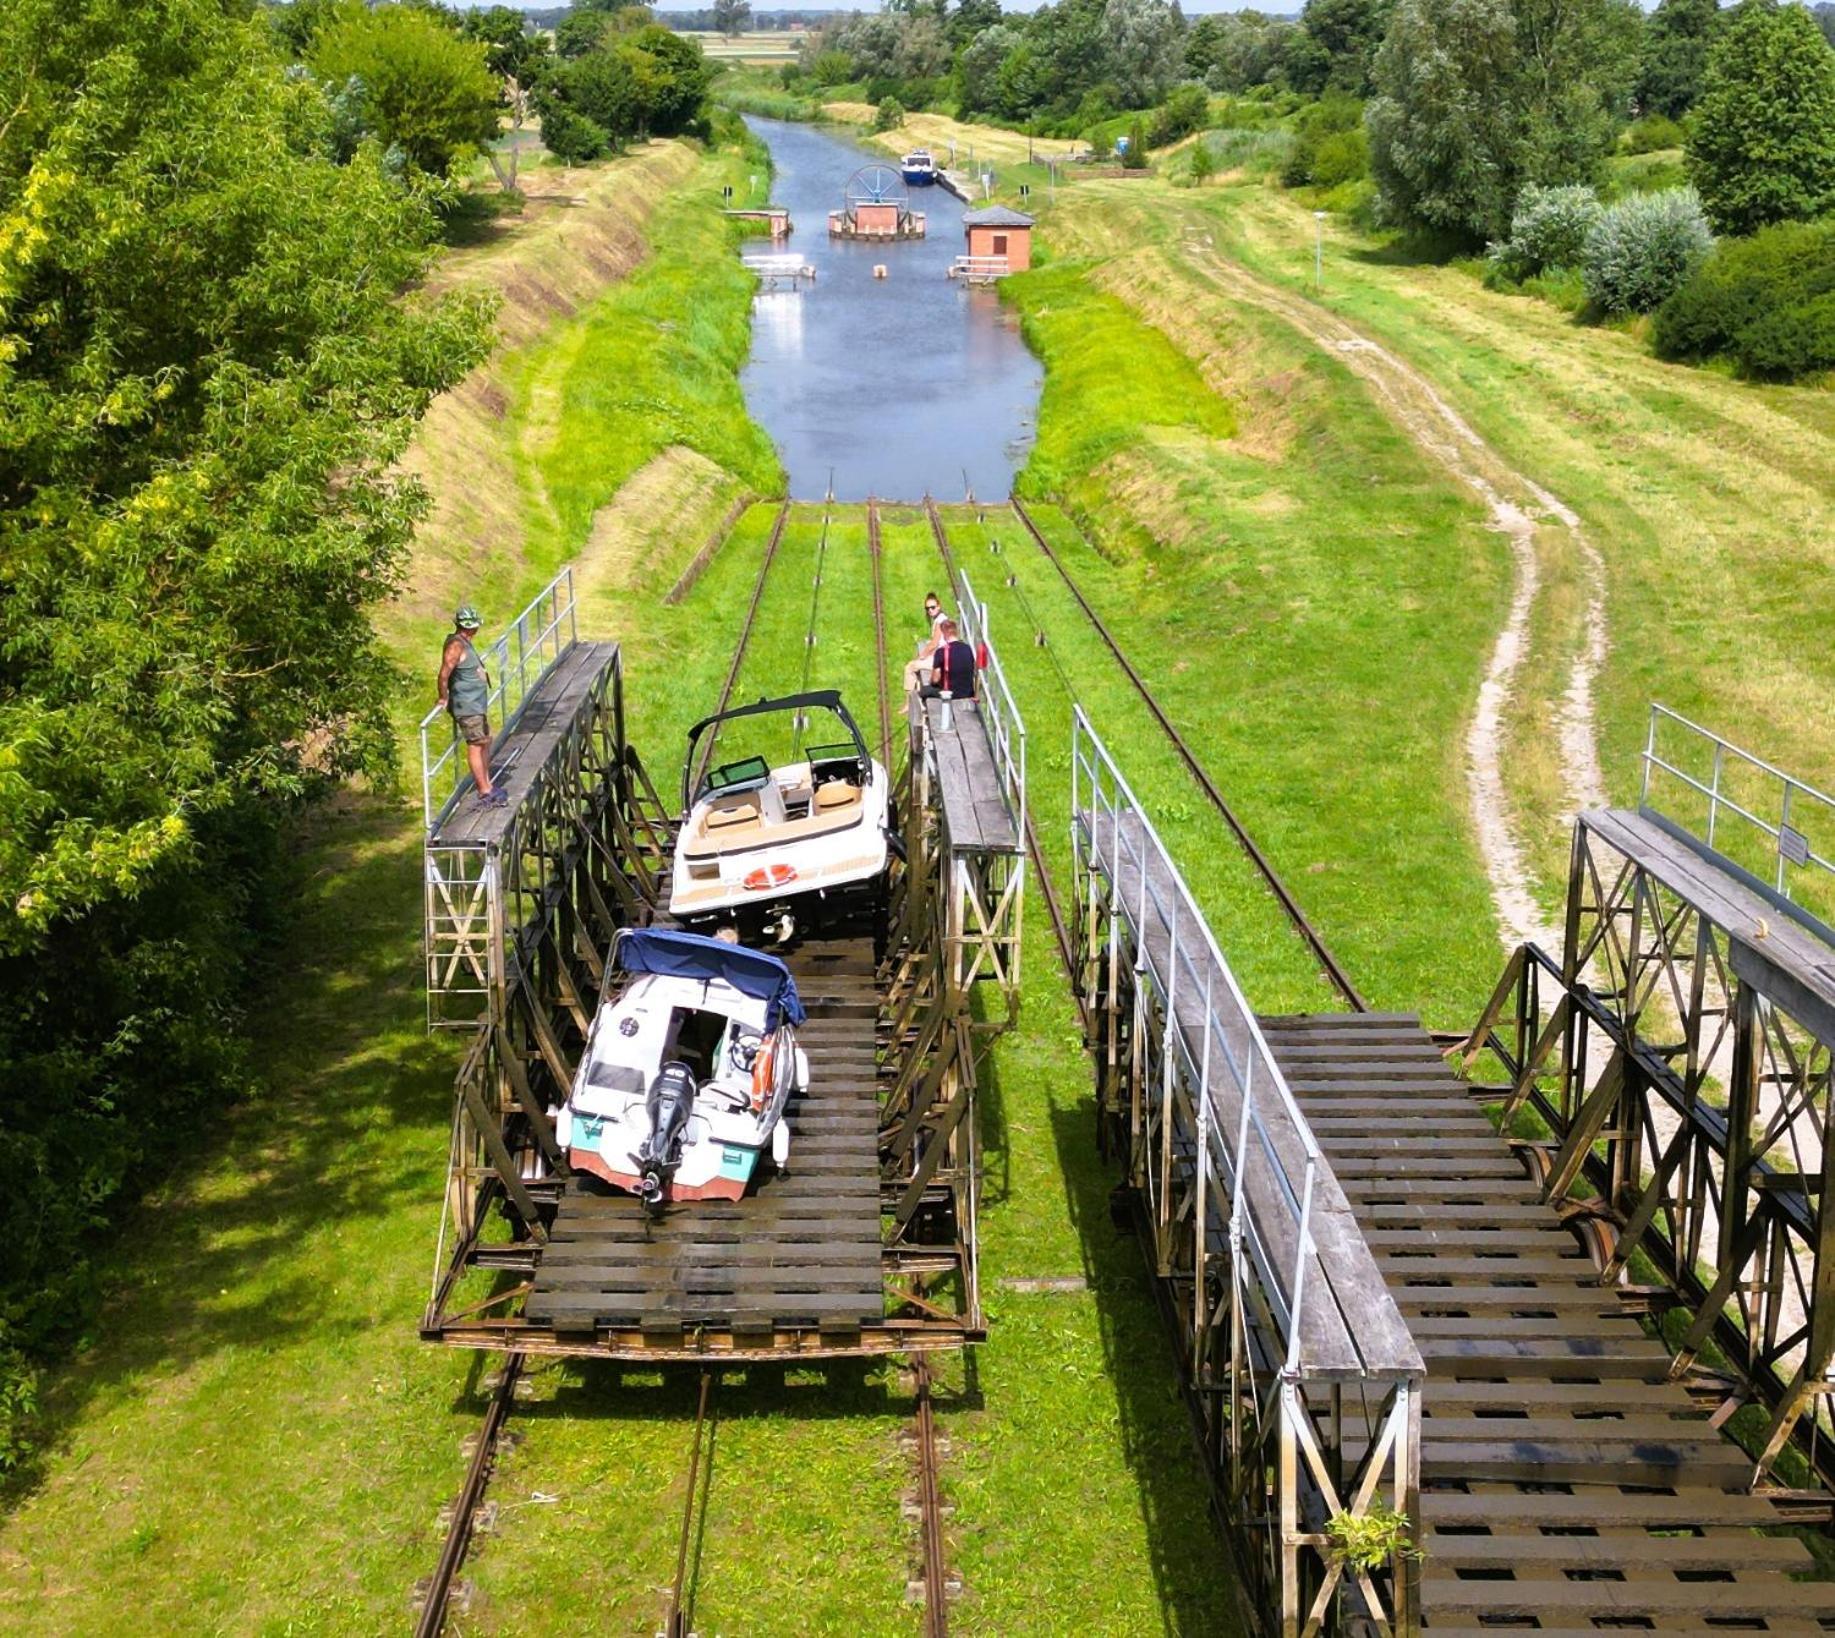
(689, 955)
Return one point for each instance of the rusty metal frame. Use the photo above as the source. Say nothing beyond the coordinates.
(1689, 1110)
(1258, 1265)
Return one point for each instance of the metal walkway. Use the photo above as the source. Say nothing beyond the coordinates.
(1566, 1482)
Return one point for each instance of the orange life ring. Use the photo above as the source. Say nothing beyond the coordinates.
(756, 881)
(764, 1064)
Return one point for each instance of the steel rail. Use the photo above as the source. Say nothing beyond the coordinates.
(879, 634)
(815, 616)
(432, 1618)
(930, 1500)
(1334, 972)
(745, 638)
(677, 1624)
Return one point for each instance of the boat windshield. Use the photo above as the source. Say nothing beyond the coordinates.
(747, 771)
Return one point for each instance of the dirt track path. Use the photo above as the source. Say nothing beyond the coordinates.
(1520, 509)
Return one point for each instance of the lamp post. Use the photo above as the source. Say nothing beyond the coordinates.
(1318, 249)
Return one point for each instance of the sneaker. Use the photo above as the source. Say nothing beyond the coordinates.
(498, 798)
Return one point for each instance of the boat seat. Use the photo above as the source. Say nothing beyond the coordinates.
(836, 794)
(732, 815)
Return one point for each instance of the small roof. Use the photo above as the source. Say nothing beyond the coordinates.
(689, 955)
(995, 216)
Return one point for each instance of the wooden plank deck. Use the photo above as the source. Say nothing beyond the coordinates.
(1770, 948)
(1566, 1482)
(517, 757)
(975, 813)
(798, 1250)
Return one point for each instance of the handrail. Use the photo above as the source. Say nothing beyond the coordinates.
(1231, 1050)
(1791, 845)
(1006, 728)
(517, 661)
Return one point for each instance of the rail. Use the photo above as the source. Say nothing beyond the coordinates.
(517, 661)
(1230, 1043)
(1789, 810)
(977, 269)
(999, 711)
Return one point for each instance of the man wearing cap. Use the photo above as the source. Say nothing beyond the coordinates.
(465, 691)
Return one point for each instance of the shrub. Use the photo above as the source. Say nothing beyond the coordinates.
(1548, 228)
(889, 115)
(1341, 157)
(1767, 303)
(1203, 161)
(1651, 134)
(1135, 159)
(1184, 111)
(1318, 129)
(1642, 249)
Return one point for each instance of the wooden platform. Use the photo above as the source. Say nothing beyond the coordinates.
(1567, 1485)
(800, 1252)
(975, 813)
(518, 756)
(1771, 949)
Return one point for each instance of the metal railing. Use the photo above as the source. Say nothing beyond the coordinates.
(1221, 1045)
(517, 661)
(1000, 713)
(1783, 810)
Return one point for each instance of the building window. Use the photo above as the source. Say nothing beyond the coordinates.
(1000, 244)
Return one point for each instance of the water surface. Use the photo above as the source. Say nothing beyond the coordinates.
(903, 386)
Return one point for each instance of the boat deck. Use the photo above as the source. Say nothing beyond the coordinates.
(799, 1256)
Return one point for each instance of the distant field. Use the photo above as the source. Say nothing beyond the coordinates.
(773, 46)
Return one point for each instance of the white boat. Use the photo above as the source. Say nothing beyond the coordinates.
(688, 1065)
(761, 834)
(917, 168)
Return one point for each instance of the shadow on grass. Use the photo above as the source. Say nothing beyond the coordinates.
(1142, 1365)
(1418, 249)
(348, 1126)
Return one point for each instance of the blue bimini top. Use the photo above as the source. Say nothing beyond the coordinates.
(689, 955)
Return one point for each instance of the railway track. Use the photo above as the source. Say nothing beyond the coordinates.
(745, 632)
(879, 635)
(1334, 971)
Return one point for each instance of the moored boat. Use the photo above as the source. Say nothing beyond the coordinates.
(917, 168)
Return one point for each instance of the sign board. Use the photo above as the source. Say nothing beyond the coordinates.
(1793, 845)
(727, 192)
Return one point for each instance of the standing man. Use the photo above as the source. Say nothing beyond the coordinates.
(465, 691)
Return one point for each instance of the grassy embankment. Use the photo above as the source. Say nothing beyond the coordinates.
(1711, 500)
(273, 1456)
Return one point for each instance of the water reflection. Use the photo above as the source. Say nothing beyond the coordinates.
(903, 386)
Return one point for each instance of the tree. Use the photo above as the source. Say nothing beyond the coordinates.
(1676, 41)
(1477, 97)
(1203, 162)
(967, 20)
(1763, 144)
(731, 16)
(1441, 130)
(424, 90)
(1346, 33)
(670, 75)
(889, 115)
(978, 69)
(1824, 14)
(511, 48)
(209, 371)
(1144, 42)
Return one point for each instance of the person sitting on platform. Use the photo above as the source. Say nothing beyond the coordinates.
(920, 668)
(465, 691)
(953, 667)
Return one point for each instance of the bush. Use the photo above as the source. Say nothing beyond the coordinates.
(1651, 134)
(1184, 111)
(1341, 157)
(1329, 146)
(1767, 303)
(889, 115)
(1135, 159)
(1642, 249)
(1548, 228)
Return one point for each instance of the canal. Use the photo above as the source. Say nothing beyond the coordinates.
(903, 386)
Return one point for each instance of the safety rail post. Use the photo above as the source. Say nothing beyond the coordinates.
(1198, 1063)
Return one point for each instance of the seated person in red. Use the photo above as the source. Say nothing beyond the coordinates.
(952, 669)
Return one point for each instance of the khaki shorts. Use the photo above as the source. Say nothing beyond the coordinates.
(473, 730)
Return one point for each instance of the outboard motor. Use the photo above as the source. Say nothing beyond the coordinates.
(669, 1104)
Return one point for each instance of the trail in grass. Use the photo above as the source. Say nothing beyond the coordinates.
(1517, 506)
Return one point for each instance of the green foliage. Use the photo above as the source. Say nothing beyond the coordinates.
(207, 378)
(731, 16)
(1767, 303)
(1236, 50)
(1763, 144)
(1478, 97)
(889, 115)
(420, 88)
(1548, 228)
(1329, 146)
(1186, 109)
(1654, 133)
(512, 50)
(1369, 1541)
(648, 81)
(1677, 36)
(1134, 158)
(1641, 249)
(1203, 163)
(1342, 36)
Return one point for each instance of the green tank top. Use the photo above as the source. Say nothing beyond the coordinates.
(468, 689)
